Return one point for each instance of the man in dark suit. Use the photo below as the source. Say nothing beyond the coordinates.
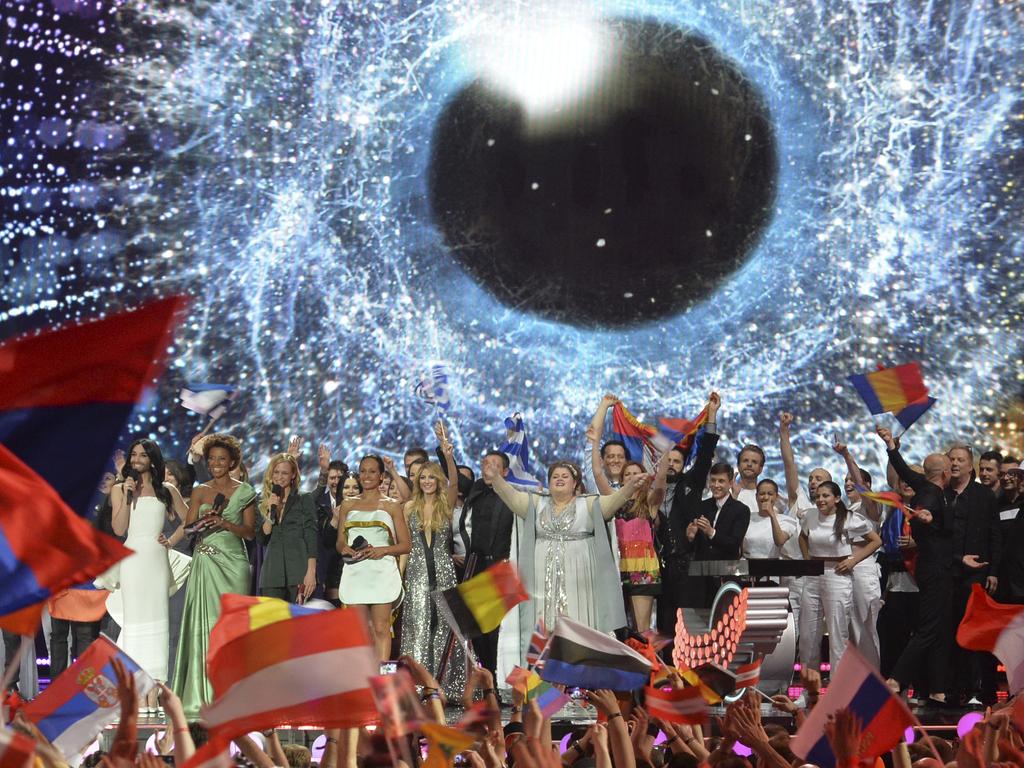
(327, 497)
(486, 529)
(682, 498)
(714, 530)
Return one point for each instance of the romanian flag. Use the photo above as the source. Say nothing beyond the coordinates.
(16, 749)
(886, 498)
(443, 744)
(859, 688)
(645, 441)
(65, 396)
(76, 707)
(914, 411)
(477, 605)
(292, 666)
(685, 705)
(997, 628)
(891, 389)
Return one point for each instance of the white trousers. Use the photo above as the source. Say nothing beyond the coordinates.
(795, 585)
(867, 603)
(826, 602)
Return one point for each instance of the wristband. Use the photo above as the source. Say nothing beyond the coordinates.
(515, 710)
(613, 715)
(489, 692)
(579, 750)
(331, 740)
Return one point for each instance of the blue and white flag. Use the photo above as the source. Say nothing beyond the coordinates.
(210, 400)
(517, 448)
(433, 388)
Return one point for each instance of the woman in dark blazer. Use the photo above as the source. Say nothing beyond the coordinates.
(288, 532)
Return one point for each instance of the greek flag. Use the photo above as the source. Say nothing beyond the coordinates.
(517, 449)
(433, 388)
(211, 400)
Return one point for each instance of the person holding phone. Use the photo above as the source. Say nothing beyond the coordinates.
(288, 531)
(219, 566)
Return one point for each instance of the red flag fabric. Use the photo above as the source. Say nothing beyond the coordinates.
(400, 709)
(685, 705)
(997, 628)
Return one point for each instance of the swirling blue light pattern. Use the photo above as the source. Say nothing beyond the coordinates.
(268, 157)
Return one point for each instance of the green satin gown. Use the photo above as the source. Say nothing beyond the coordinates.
(219, 566)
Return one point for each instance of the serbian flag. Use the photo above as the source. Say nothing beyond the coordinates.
(644, 441)
(859, 688)
(748, 675)
(477, 605)
(891, 389)
(211, 400)
(401, 711)
(83, 700)
(44, 546)
(16, 749)
(997, 628)
(685, 705)
(587, 658)
(443, 744)
(292, 666)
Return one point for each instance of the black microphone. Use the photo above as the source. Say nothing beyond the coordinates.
(218, 502)
(134, 475)
(357, 544)
(277, 490)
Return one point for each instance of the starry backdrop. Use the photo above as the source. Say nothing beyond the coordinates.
(316, 176)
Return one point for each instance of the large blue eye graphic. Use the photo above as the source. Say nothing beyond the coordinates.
(555, 199)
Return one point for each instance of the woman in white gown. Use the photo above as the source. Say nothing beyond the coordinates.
(140, 505)
(566, 555)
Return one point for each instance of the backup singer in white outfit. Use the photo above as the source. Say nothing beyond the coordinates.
(827, 600)
(145, 577)
(768, 531)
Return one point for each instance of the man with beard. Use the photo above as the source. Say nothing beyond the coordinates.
(988, 470)
(682, 495)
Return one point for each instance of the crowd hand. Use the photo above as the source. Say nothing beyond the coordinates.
(530, 751)
(785, 704)
(886, 434)
(604, 701)
(355, 555)
(714, 403)
(704, 525)
(474, 759)
(307, 587)
(373, 553)
(172, 704)
(119, 461)
(840, 447)
(447, 448)
(493, 748)
(420, 674)
(125, 743)
(533, 719)
(746, 723)
(146, 760)
(324, 456)
(811, 679)
(785, 421)
(972, 562)
(130, 485)
(991, 584)
(274, 501)
(643, 741)
(294, 447)
(439, 432)
(459, 560)
(598, 734)
(845, 566)
(924, 515)
(843, 731)
(608, 400)
(592, 435)
(389, 465)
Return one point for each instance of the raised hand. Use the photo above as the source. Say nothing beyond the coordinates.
(324, 457)
(389, 465)
(604, 700)
(294, 447)
(119, 461)
(714, 403)
(886, 435)
(785, 420)
(609, 400)
(840, 447)
(843, 730)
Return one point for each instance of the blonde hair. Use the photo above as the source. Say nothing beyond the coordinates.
(441, 511)
(268, 482)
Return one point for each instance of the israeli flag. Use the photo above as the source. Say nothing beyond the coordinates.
(517, 448)
(433, 388)
(210, 400)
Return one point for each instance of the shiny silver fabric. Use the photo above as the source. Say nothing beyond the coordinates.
(424, 631)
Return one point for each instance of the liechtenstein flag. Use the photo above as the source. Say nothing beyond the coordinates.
(65, 396)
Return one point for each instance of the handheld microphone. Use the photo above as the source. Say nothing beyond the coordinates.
(277, 490)
(357, 544)
(134, 475)
(218, 502)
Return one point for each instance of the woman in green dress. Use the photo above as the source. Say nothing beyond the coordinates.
(227, 509)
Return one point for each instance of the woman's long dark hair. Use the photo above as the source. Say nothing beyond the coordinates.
(157, 469)
(841, 510)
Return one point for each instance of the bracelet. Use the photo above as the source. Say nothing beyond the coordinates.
(515, 710)
(613, 715)
(180, 730)
(331, 740)
(489, 692)
(576, 745)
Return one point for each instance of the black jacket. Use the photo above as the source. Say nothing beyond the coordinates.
(730, 528)
(976, 526)
(935, 539)
(687, 496)
(491, 522)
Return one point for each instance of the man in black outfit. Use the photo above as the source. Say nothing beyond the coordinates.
(1011, 527)
(327, 497)
(683, 495)
(486, 529)
(977, 551)
(713, 530)
(931, 528)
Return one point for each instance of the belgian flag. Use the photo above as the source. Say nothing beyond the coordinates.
(478, 605)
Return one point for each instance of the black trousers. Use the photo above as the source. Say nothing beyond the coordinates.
(896, 623)
(12, 643)
(973, 673)
(82, 633)
(926, 656)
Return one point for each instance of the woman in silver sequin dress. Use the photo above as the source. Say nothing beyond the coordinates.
(430, 567)
(565, 558)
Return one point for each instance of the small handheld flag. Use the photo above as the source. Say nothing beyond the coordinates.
(997, 628)
(400, 709)
(748, 675)
(588, 658)
(443, 744)
(685, 705)
(211, 400)
(433, 388)
(538, 642)
(914, 411)
(549, 699)
(477, 605)
(83, 699)
(517, 448)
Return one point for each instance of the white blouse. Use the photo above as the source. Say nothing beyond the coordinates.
(759, 541)
(821, 540)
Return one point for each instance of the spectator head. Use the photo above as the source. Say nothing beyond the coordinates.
(720, 479)
(767, 495)
(937, 469)
(222, 453)
(350, 486)
(961, 462)
(614, 456)
(850, 485)
(181, 475)
(816, 478)
(371, 470)
(283, 470)
(298, 756)
(494, 461)
(565, 475)
(750, 461)
(1008, 462)
(198, 733)
(336, 470)
(676, 462)
(412, 456)
(988, 469)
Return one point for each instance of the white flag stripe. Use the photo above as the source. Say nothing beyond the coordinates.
(295, 681)
(592, 638)
(1009, 650)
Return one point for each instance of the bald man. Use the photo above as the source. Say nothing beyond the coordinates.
(926, 656)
